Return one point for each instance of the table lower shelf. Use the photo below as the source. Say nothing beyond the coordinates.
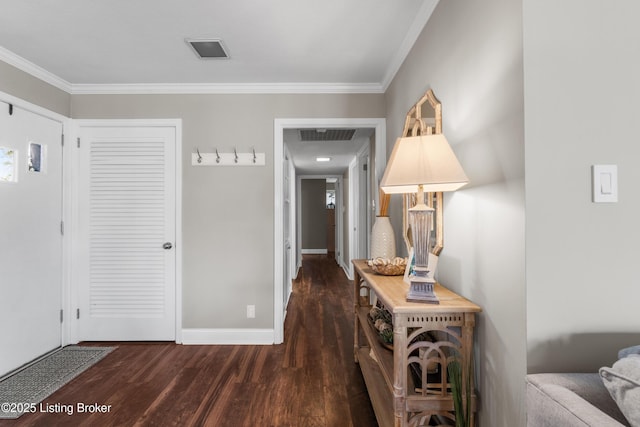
(379, 393)
(376, 364)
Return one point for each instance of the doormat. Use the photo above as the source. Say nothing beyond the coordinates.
(23, 391)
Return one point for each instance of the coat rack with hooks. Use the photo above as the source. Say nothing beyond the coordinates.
(234, 158)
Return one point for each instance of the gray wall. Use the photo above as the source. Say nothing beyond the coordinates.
(29, 88)
(581, 104)
(227, 212)
(313, 213)
(470, 54)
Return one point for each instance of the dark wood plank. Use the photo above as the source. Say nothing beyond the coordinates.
(310, 380)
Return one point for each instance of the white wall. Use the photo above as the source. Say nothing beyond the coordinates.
(470, 54)
(582, 85)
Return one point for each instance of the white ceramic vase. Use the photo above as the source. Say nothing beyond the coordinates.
(383, 240)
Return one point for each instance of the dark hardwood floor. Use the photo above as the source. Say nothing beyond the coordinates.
(309, 381)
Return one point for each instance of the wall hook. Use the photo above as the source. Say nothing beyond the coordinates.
(232, 157)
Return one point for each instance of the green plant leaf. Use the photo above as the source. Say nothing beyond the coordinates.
(462, 411)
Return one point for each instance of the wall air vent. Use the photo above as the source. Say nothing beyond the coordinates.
(208, 49)
(326, 134)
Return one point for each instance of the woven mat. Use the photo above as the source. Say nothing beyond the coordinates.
(34, 383)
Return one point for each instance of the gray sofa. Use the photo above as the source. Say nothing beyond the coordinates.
(609, 398)
(570, 399)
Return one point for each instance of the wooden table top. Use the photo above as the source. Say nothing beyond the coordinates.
(392, 292)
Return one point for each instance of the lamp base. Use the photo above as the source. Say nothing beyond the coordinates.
(420, 291)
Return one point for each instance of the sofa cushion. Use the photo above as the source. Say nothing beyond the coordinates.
(629, 351)
(623, 382)
(570, 399)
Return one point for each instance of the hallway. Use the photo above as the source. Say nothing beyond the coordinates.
(311, 380)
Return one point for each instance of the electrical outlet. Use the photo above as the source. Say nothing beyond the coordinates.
(251, 311)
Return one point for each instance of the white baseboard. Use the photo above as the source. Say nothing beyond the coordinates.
(227, 336)
(298, 269)
(347, 272)
(314, 251)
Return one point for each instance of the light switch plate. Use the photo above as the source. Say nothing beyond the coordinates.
(604, 179)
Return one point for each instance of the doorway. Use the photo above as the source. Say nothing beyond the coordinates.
(328, 210)
(280, 252)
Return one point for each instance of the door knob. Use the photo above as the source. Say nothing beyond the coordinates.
(167, 245)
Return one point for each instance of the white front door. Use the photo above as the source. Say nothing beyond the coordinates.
(127, 230)
(30, 236)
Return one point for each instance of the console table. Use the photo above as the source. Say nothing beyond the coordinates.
(408, 385)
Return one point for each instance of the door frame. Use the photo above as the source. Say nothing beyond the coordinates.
(364, 219)
(360, 208)
(380, 128)
(74, 283)
(352, 215)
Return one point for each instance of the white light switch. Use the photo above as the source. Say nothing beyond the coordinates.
(605, 183)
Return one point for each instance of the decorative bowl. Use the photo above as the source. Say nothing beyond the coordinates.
(388, 267)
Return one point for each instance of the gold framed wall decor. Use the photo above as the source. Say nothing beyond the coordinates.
(424, 118)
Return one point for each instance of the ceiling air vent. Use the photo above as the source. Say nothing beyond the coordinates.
(208, 49)
(326, 134)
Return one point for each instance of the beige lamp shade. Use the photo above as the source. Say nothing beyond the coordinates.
(425, 160)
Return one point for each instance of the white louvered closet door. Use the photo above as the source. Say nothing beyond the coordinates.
(127, 229)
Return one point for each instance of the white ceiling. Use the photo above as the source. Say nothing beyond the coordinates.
(99, 46)
(275, 46)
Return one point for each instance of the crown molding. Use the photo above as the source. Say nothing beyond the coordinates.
(184, 88)
(420, 21)
(30, 68)
(225, 88)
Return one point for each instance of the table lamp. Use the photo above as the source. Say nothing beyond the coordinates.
(424, 163)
